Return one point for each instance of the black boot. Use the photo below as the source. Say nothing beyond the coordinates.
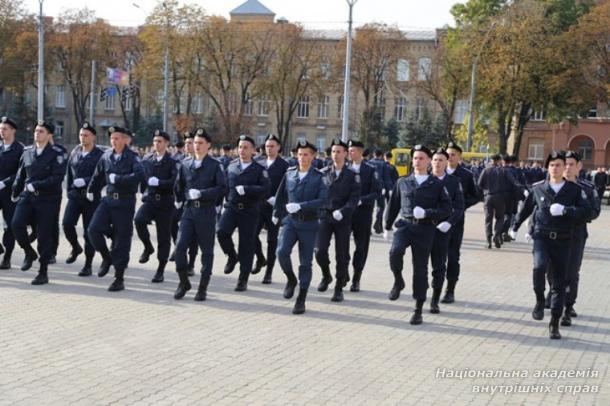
(572, 311)
(6, 262)
(498, 241)
(326, 279)
(566, 320)
(299, 306)
(399, 285)
(378, 227)
(267, 277)
(29, 259)
(356, 282)
(554, 328)
(202, 291)
(148, 251)
(230, 266)
(158, 278)
(436, 295)
(488, 243)
(184, 285)
(53, 259)
(290, 285)
(86, 271)
(41, 278)
(105, 266)
(416, 318)
(338, 294)
(76, 251)
(449, 296)
(117, 285)
(242, 282)
(260, 263)
(538, 312)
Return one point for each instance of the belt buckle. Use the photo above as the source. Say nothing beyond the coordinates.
(553, 235)
(157, 197)
(197, 204)
(301, 217)
(115, 196)
(240, 206)
(36, 193)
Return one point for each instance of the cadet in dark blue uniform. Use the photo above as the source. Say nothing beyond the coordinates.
(225, 159)
(293, 160)
(442, 235)
(392, 173)
(456, 234)
(302, 193)
(336, 218)
(383, 175)
(201, 180)
(53, 259)
(120, 170)
(370, 190)
(10, 155)
(37, 191)
(160, 170)
(81, 165)
(276, 168)
(247, 186)
(513, 196)
(556, 204)
(423, 202)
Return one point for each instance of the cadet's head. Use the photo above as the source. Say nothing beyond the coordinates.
(43, 132)
(189, 139)
(338, 152)
(378, 154)
(246, 148)
(455, 154)
(421, 157)
(273, 146)
(573, 165)
(160, 141)
(7, 130)
(87, 134)
(201, 143)
(306, 153)
(179, 146)
(119, 138)
(439, 161)
(356, 150)
(556, 164)
(388, 156)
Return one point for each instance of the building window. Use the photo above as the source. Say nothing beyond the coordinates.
(260, 139)
(325, 70)
(301, 137)
(321, 142)
(381, 107)
(60, 96)
(129, 102)
(402, 70)
(461, 109)
(535, 150)
(110, 99)
(248, 106)
(420, 108)
(400, 108)
(424, 69)
(585, 148)
(340, 107)
(198, 104)
(303, 107)
(592, 113)
(59, 129)
(537, 115)
(263, 107)
(323, 107)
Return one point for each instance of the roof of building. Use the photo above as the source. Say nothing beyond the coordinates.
(337, 35)
(252, 7)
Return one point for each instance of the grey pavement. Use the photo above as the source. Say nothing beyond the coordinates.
(73, 342)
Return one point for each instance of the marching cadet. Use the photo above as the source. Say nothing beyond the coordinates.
(179, 153)
(247, 186)
(556, 205)
(201, 180)
(455, 167)
(10, 155)
(37, 191)
(225, 157)
(301, 194)
(423, 202)
(383, 174)
(120, 170)
(579, 239)
(442, 235)
(370, 190)
(160, 170)
(276, 168)
(53, 259)
(336, 218)
(392, 172)
(512, 196)
(81, 165)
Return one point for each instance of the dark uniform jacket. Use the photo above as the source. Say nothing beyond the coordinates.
(9, 164)
(127, 168)
(343, 191)
(45, 172)
(166, 170)
(469, 187)
(311, 193)
(454, 189)
(370, 185)
(209, 179)
(82, 167)
(255, 181)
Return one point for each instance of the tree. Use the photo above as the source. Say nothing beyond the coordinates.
(422, 129)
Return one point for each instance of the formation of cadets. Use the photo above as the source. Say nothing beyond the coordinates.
(303, 201)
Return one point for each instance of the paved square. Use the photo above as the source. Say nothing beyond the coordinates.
(72, 342)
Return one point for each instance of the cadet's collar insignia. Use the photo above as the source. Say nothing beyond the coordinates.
(357, 178)
(265, 174)
(60, 159)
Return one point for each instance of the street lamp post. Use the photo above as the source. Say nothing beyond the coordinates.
(40, 113)
(348, 72)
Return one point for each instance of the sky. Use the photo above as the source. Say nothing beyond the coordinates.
(322, 14)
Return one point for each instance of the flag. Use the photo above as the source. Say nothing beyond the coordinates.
(117, 76)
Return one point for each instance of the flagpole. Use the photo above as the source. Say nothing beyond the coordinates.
(92, 101)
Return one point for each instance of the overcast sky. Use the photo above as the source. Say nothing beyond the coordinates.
(407, 14)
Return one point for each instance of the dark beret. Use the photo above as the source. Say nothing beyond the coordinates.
(339, 143)
(49, 126)
(574, 155)
(355, 143)
(161, 133)
(7, 120)
(441, 151)
(421, 148)
(88, 127)
(306, 144)
(455, 146)
(244, 137)
(201, 132)
(554, 155)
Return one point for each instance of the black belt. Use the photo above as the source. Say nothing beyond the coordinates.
(413, 220)
(159, 196)
(554, 235)
(199, 203)
(120, 196)
(310, 216)
(242, 206)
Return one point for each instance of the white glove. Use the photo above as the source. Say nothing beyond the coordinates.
(178, 205)
(387, 235)
(512, 234)
(528, 238)
(14, 199)
(275, 220)
(337, 215)
(2, 185)
(30, 188)
(271, 200)
(218, 209)
(154, 181)
(293, 207)
(79, 182)
(359, 202)
(526, 193)
(444, 226)
(240, 190)
(194, 194)
(112, 178)
(90, 197)
(382, 192)
(419, 213)
(557, 209)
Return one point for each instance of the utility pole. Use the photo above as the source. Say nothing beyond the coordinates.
(348, 73)
(40, 63)
(92, 100)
